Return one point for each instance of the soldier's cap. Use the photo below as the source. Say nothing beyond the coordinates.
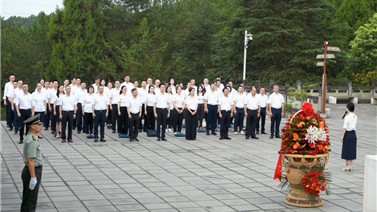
(33, 120)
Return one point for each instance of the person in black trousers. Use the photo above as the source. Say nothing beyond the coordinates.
(100, 113)
(68, 113)
(211, 101)
(276, 108)
(191, 115)
(263, 105)
(142, 92)
(252, 112)
(161, 111)
(51, 99)
(114, 95)
(179, 108)
(226, 112)
(134, 113)
(87, 110)
(201, 114)
(25, 106)
(122, 111)
(150, 120)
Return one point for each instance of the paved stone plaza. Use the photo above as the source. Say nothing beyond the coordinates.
(178, 175)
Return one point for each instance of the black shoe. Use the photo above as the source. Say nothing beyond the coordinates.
(95, 139)
(70, 141)
(10, 129)
(221, 138)
(40, 137)
(213, 133)
(136, 139)
(257, 132)
(271, 136)
(255, 137)
(247, 137)
(140, 130)
(21, 141)
(158, 139)
(164, 139)
(227, 138)
(131, 139)
(263, 133)
(277, 136)
(63, 141)
(46, 129)
(207, 133)
(52, 132)
(74, 128)
(78, 132)
(103, 140)
(113, 131)
(15, 132)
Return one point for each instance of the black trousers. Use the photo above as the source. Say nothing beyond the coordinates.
(100, 121)
(275, 121)
(115, 117)
(109, 116)
(142, 116)
(67, 117)
(191, 125)
(8, 110)
(169, 121)
(224, 123)
(263, 117)
(30, 197)
(123, 124)
(177, 121)
(25, 114)
(89, 123)
(133, 124)
(79, 117)
(162, 117)
(251, 122)
(201, 114)
(53, 119)
(150, 120)
(46, 121)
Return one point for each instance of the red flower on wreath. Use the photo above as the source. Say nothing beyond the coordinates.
(307, 108)
(314, 182)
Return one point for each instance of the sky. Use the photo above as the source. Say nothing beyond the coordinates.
(25, 8)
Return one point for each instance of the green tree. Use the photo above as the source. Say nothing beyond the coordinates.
(364, 47)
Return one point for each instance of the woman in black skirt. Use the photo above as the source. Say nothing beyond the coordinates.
(191, 118)
(201, 115)
(87, 111)
(149, 119)
(122, 111)
(349, 137)
(57, 102)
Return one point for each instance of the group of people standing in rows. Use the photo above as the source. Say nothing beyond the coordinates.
(122, 107)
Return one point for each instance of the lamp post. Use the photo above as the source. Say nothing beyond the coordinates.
(248, 37)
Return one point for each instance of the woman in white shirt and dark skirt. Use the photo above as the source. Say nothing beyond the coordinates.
(57, 102)
(201, 115)
(39, 98)
(149, 114)
(87, 111)
(349, 137)
(179, 107)
(122, 111)
(191, 115)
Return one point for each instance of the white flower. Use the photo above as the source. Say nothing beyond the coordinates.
(314, 133)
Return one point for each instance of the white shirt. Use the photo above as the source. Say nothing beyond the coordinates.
(39, 99)
(239, 99)
(95, 88)
(212, 97)
(178, 99)
(192, 102)
(73, 89)
(276, 100)
(25, 101)
(157, 91)
(10, 93)
(52, 95)
(107, 92)
(350, 122)
(201, 98)
(151, 99)
(263, 100)
(134, 104)
(123, 99)
(68, 102)
(16, 92)
(207, 87)
(58, 100)
(80, 94)
(252, 102)
(129, 86)
(88, 102)
(100, 102)
(114, 95)
(162, 101)
(171, 101)
(173, 89)
(8, 86)
(142, 93)
(226, 103)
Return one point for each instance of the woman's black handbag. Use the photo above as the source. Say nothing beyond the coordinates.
(152, 133)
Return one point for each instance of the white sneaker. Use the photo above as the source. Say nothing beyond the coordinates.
(175, 133)
(235, 133)
(169, 130)
(242, 133)
(166, 130)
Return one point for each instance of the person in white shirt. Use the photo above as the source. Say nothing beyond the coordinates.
(25, 106)
(157, 87)
(78, 85)
(349, 138)
(206, 85)
(149, 102)
(10, 97)
(191, 120)
(161, 111)
(142, 92)
(233, 91)
(96, 84)
(122, 111)
(252, 112)
(100, 113)
(238, 108)
(276, 108)
(263, 99)
(211, 100)
(51, 98)
(179, 108)
(113, 102)
(68, 110)
(46, 91)
(149, 83)
(73, 85)
(8, 86)
(219, 84)
(39, 98)
(87, 110)
(57, 102)
(128, 84)
(80, 94)
(172, 85)
(169, 121)
(107, 92)
(18, 91)
(193, 86)
(66, 83)
(225, 111)
(134, 113)
(187, 92)
(201, 91)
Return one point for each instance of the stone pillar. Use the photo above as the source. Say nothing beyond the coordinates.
(298, 84)
(370, 178)
(286, 92)
(373, 88)
(349, 85)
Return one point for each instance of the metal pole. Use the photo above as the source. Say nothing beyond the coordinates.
(324, 82)
(244, 57)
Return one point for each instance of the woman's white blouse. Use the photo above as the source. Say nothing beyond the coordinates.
(123, 99)
(151, 99)
(39, 99)
(350, 122)
(171, 101)
(179, 100)
(200, 98)
(88, 103)
(191, 102)
(58, 100)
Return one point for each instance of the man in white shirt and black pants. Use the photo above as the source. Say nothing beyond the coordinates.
(8, 86)
(134, 113)
(100, 113)
(80, 94)
(10, 98)
(25, 107)
(162, 111)
(113, 101)
(252, 112)
(276, 105)
(68, 113)
(263, 103)
(225, 110)
(143, 92)
(211, 101)
(51, 99)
